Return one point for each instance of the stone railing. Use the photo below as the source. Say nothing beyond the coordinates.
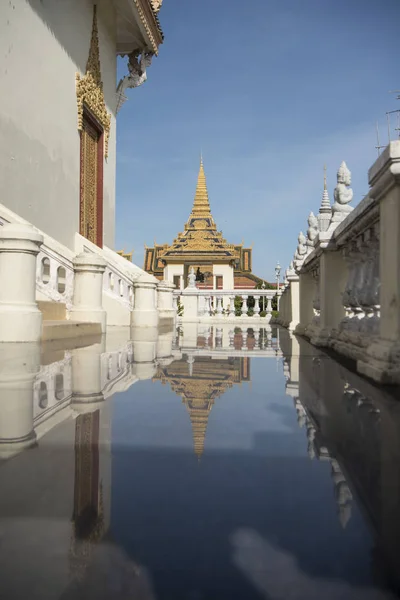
(343, 288)
(193, 304)
(96, 285)
(54, 267)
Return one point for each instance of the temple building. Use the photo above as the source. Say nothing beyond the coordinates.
(199, 382)
(218, 264)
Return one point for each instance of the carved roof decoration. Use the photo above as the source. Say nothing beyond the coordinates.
(156, 4)
(200, 239)
(89, 88)
(147, 10)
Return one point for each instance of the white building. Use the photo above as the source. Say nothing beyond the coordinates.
(58, 157)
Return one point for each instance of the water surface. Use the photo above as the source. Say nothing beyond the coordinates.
(200, 463)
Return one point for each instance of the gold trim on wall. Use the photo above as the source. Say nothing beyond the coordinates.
(89, 88)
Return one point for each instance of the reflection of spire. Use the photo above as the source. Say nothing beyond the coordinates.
(199, 411)
(201, 205)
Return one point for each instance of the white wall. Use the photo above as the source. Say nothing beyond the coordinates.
(42, 45)
(227, 273)
(171, 270)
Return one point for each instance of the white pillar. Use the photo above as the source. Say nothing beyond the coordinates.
(165, 307)
(87, 303)
(19, 364)
(20, 318)
(333, 278)
(87, 380)
(190, 301)
(294, 299)
(256, 306)
(306, 298)
(144, 313)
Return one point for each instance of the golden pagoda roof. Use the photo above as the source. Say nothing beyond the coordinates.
(200, 239)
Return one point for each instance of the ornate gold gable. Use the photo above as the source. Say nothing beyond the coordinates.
(89, 88)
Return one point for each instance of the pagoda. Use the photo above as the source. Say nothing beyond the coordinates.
(217, 264)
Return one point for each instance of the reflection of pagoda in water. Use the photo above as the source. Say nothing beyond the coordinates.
(199, 382)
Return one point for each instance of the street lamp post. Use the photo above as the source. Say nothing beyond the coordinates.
(277, 275)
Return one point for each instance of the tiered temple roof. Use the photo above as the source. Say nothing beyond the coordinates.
(201, 243)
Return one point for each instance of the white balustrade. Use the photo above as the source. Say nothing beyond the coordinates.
(118, 285)
(214, 305)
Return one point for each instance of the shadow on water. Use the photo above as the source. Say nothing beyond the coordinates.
(197, 483)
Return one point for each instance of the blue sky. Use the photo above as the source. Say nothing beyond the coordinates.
(270, 90)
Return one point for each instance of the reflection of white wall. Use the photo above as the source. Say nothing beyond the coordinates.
(227, 273)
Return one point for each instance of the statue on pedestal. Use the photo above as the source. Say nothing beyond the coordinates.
(312, 231)
(343, 195)
(191, 278)
(301, 251)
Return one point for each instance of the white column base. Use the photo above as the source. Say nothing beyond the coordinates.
(144, 318)
(20, 318)
(383, 362)
(89, 315)
(20, 323)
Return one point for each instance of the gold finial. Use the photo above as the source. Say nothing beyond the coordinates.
(201, 205)
(325, 177)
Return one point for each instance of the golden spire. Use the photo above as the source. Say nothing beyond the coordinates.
(201, 205)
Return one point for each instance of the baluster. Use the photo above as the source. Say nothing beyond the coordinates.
(269, 306)
(232, 306)
(231, 337)
(219, 305)
(256, 337)
(244, 338)
(244, 306)
(218, 338)
(256, 306)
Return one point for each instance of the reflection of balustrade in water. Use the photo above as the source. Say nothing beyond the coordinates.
(226, 339)
(34, 398)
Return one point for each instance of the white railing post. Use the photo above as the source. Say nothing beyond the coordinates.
(244, 305)
(20, 318)
(232, 312)
(88, 290)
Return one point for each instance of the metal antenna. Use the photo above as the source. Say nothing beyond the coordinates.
(378, 146)
(390, 112)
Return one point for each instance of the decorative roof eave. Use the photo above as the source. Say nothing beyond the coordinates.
(204, 255)
(138, 27)
(149, 24)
